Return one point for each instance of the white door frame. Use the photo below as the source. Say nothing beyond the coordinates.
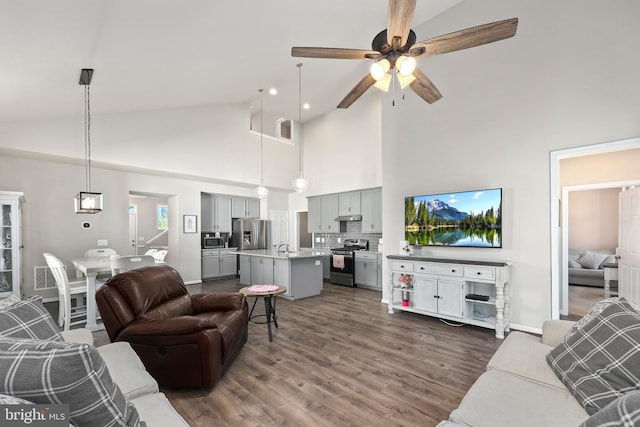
(564, 228)
(557, 260)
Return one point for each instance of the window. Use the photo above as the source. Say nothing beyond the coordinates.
(162, 217)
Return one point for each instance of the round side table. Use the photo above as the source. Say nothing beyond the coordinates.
(269, 305)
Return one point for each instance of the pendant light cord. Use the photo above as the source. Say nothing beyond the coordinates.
(261, 149)
(300, 111)
(87, 138)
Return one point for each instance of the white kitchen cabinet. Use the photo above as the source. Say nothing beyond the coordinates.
(10, 243)
(366, 269)
(243, 207)
(470, 291)
(261, 270)
(219, 263)
(215, 213)
(371, 207)
(323, 210)
(245, 269)
(349, 203)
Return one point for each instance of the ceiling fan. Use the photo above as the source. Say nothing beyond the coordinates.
(396, 48)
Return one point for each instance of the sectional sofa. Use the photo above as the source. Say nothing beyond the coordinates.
(104, 386)
(581, 373)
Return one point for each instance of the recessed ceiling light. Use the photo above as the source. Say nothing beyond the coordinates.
(306, 106)
(273, 91)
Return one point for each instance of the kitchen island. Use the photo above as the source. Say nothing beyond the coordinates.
(299, 272)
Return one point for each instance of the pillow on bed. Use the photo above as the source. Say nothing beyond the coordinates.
(591, 260)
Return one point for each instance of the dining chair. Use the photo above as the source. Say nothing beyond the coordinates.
(160, 255)
(100, 252)
(67, 314)
(123, 263)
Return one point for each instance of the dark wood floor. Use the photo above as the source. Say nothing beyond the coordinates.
(340, 359)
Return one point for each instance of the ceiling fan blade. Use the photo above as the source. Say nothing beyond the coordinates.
(424, 87)
(399, 20)
(470, 37)
(331, 52)
(357, 91)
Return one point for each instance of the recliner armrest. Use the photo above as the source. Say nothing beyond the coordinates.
(180, 325)
(217, 302)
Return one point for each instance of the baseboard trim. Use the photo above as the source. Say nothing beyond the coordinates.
(523, 328)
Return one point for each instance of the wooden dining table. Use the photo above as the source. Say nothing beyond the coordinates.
(91, 267)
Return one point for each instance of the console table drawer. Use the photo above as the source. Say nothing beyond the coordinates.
(484, 273)
(404, 266)
(439, 269)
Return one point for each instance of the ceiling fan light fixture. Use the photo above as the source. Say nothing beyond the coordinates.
(405, 80)
(384, 83)
(379, 69)
(406, 65)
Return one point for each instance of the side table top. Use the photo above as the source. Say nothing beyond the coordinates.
(248, 293)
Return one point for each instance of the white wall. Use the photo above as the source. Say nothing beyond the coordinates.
(206, 141)
(49, 224)
(566, 79)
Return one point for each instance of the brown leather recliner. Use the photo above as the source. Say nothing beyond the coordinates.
(183, 340)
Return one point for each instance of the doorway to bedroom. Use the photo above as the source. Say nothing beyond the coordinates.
(582, 175)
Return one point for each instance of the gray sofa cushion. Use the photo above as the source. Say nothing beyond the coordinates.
(623, 412)
(524, 355)
(28, 319)
(601, 361)
(501, 399)
(58, 372)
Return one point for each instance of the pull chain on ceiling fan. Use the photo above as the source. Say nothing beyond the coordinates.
(395, 48)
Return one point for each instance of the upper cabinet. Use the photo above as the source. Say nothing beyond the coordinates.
(349, 203)
(244, 207)
(323, 211)
(215, 213)
(372, 211)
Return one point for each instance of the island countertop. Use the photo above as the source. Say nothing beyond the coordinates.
(272, 253)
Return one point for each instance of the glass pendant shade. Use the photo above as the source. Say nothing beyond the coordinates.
(384, 82)
(405, 80)
(262, 192)
(300, 184)
(379, 69)
(406, 65)
(86, 202)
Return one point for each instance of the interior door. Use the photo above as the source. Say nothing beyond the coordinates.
(133, 229)
(629, 245)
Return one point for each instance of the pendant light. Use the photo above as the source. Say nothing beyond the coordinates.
(261, 191)
(87, 201)
(300, 184)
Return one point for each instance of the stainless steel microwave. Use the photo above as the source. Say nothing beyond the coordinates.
(210, 241)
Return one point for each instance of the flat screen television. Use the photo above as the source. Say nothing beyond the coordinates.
(461, 219)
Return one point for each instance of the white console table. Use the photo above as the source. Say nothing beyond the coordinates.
(472, 291)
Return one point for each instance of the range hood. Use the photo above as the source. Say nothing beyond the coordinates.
(349, 218)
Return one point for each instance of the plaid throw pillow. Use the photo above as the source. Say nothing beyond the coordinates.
(601, 361)
(58, 372)
(622, 412)
(28, 319)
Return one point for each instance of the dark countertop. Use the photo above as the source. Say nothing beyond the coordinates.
(452, 260)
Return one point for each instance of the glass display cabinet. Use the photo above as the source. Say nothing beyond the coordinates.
(10, 243)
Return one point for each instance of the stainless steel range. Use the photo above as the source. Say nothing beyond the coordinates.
(342, 261)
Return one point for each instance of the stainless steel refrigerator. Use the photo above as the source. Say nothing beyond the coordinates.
(250, 234)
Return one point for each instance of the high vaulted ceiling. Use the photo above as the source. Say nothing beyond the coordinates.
(156, 54)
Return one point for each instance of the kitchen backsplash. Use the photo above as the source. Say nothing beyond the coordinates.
(353, 230)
